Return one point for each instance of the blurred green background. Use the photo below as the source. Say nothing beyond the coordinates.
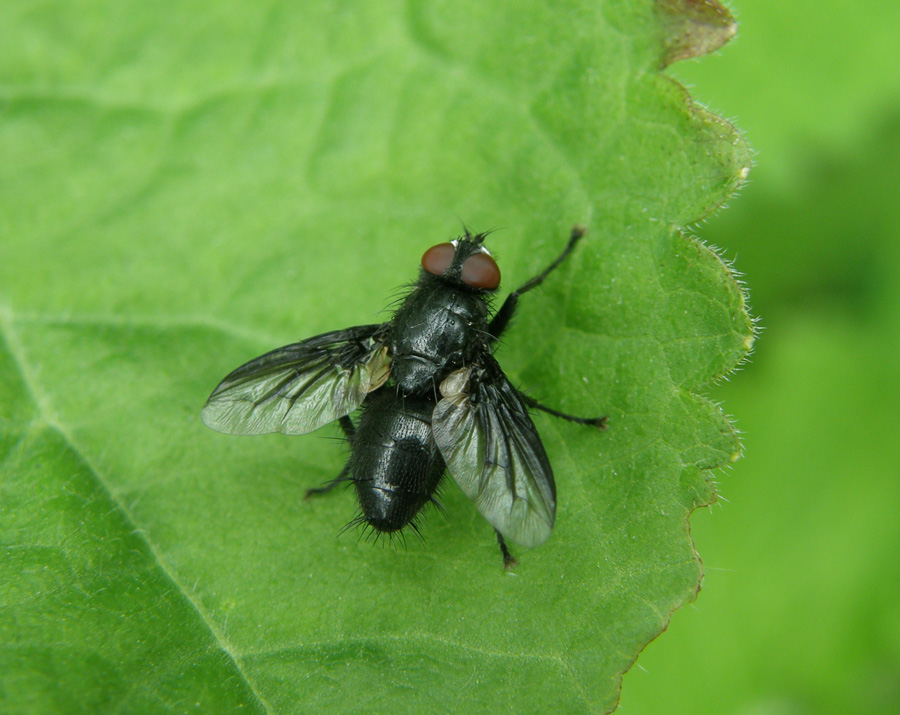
(800, 607)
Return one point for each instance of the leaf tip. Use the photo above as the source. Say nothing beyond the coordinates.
(693, 28)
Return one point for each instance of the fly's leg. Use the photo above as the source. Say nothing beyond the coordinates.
(339, 479)
(501, 319)
(349, 431)
(598, 422)
(347, 426)
(509, 561)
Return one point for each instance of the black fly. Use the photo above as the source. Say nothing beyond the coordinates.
(434, 399)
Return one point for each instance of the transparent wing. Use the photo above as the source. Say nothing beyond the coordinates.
(495, 454)
(300, 387)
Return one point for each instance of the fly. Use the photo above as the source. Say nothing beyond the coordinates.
(433, 397)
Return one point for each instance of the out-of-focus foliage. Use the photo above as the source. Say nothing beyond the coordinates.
(800, 609)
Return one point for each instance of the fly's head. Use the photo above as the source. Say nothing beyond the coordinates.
(464, 262)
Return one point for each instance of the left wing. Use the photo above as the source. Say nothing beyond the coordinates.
(300, 387)
(494, 452)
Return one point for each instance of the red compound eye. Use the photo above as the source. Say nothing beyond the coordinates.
(481, 271)
(437, 259)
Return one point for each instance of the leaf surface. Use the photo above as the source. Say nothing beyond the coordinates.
(187, 187)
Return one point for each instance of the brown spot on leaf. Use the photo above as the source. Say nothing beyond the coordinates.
(694, 28)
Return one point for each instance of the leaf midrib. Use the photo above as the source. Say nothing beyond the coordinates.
(48, 415)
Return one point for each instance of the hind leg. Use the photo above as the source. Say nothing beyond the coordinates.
(349, 431)
(509, 561)
(339, 479)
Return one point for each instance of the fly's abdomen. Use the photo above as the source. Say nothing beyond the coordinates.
(395, 464)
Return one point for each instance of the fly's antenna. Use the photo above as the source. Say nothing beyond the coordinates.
(476, 238)
(479, 239)
(467, 234)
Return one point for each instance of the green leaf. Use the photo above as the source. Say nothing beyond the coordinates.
(188, 186)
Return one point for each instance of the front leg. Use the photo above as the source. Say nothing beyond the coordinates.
(501, 319)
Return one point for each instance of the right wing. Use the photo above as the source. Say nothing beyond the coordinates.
(494, 452)
(300, 387)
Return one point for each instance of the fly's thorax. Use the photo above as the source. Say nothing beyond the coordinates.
(438, 329)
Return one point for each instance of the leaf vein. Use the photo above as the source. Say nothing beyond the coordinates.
(45, 409)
